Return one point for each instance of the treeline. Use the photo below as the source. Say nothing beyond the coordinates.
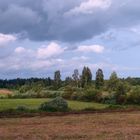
(77, 79)
(17, 83)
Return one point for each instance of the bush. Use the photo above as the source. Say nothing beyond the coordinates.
(120, 94)
(110, 99)
(78, 94)
(21, 108)
(68, 91)
(134, 96)
(75, 96)
(92, 95)
(57, 104)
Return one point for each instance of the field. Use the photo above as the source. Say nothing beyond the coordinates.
(105, 126)
(34, 104)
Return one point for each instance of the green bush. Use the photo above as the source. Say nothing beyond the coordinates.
(57, 104)
(24, 88)
(92, 94)
(134, 96)
(78, 94)
(75, 96)
(110, 99)
(22, 108)
(68, 91)
(120, 93)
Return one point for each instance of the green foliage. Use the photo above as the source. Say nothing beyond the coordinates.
(99, 82)
(42, 94)
(76, 77)
(57, 104)
(86, 77)
(120, 93)
(68, 91)
(134, 95)
(77, 95)
(24, 88)
(68, 81)
(92, 94)
(57, 79)
(110, 99)
(113, 82)
(21, 108)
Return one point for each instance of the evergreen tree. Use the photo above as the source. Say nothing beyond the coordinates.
(99, 81)
(76, 77)
(57, 79)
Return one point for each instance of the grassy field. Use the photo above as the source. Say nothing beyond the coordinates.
(34, 104)
(106, 126)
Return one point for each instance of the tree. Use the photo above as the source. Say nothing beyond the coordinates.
(86, 77)
(120, 94)
(57, 79)
(68, 81)
(49, 81)
(113, 81)
(99, 81)
(76, 77)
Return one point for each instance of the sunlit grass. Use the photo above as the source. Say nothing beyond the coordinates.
(34, 104)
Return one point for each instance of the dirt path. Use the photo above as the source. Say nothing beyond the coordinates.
(100, 126)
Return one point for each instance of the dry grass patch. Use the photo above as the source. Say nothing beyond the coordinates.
(5, 91)
(104, 126)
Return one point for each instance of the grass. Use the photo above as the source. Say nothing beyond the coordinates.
(106, 126)
(34, 104)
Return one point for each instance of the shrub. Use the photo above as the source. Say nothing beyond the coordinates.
(21, 108)
(134, 96)
(57, 104)
(120, 94)
(92, 95)
(24, 88)
(75, 96)
(68, 91)
(78, 95)
(110, 99)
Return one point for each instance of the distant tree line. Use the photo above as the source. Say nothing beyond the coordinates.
(78, 80)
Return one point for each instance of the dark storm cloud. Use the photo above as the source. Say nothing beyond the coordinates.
(47, 19)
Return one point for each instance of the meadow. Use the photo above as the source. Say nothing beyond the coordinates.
(6, 104)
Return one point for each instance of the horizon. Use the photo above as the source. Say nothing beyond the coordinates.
(39, 37)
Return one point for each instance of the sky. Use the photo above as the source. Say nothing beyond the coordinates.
(38, 37)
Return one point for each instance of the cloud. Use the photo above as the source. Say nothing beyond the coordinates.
(89, 6)
(91, 48)
(20, 50)
(6, 38)
(53, 49)
(47, 19)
